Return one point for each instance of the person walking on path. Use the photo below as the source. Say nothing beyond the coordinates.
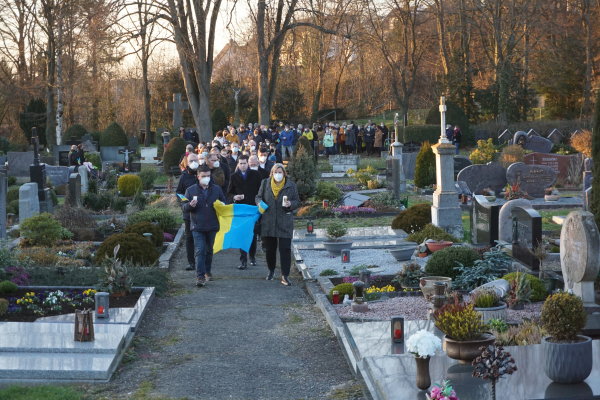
(277, 222)
(188, 178)
(199, 200)
(287, 143)
(243, 190)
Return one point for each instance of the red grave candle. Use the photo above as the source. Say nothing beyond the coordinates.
(397, 333)
(100, 309)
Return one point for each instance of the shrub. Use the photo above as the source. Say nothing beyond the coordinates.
(148, 176)
(485, 299)
(12, 193)
(113, 135)
(104, 201)
(443, 262)
(328, 272)
(95, 159)
(328, 191)
(3, 306)
(432, 232)
(8, 287)
(344, 289)
(385, 200)
(459, 322)
(336, 230)
(582, 142)
(413, 219)
(305, 144)
(495, 262)
(563, 316)
(219, 120)
(147, 227)
(420, 133)
(173, 153)
(409, 276)
(129, 184)
(425, 166)
(116, 277)
(39, 256)
(77, 131)
(538, 288)
(133, 248)
(12, 180)
(43, 230)
(511, 154)
(484, 153)
(13, 207)
(74, 217)
(303, 171)
(165, 218)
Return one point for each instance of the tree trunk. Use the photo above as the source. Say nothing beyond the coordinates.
(264, 107)
(50, 82)
(587, 87)
(147, 98)
(59, 87)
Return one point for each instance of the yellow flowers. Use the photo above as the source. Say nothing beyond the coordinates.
(385, 289)
(89, 292)
(27, 299)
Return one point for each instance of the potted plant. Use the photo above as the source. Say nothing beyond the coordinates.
(568, 354)
(409, 276)
(488, 304)
(464, 330)
(427, 285)
(551, 194)
(116, 280)
(436, 245)
(423, 345)
(519, 292)
(334, 245)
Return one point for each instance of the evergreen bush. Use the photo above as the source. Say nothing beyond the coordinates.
(147, 227)
(538, 288)
(43, 230)
(113, 135)
(425, 166)
(173, 153)
(511, 154)
(413, 219)
(343, 289)
(129, 184)
(133, 248)
(148, 176)
(563, 316)
(13, 207)
(328, 191)
(443, 262)
(3, 306)
(303, 142)
(420, 133)
(74, 218)
(12, 194)
(454, 116)
(8, 287)
(484, 153)
(433, 232)
(95, 159)
(76, 131)
(219, 120)
(595, 206)
(165, 218)
(303, 172)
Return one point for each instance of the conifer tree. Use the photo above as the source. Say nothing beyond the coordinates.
(303, 172)
(425, 166)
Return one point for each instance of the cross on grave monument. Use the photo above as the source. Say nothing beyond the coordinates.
(398, 181)
(3, 192)
(445, 212)
(126, 152)
(177, 105)
(37, 174)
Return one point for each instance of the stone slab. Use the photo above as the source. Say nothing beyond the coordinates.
(355, 199)
(111, 154)
(148, 155)
(116, 316)
(326, 175)
(533, 179)
(559, 219)
(538, 144)
(58, 175)
(19, 162)
(558, 162)
(481, 176)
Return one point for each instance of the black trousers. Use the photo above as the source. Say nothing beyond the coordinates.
(285, 253)
(189, 244)
(244, 255)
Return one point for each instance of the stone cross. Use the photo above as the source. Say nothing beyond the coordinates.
(3, 191)
(236, 115)
(443, 108)
(34, 141)
(126, 152)
(177, 105)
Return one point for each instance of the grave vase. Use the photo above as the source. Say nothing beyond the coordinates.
(423, 377)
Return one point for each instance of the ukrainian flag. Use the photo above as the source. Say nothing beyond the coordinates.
(236, 225)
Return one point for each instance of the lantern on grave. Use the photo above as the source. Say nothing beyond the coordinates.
(84, 326)
(346, 256)
(359, 289)
(325, 203)
(397, 325)
(102, 304)
(310, 228)
(365, 276)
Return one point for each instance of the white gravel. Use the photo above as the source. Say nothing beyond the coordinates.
(317, 261)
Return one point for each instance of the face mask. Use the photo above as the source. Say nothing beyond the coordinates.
(194, 165)
(205, 181)
(254, 168)
(235, 149)
(216, 164)
(252, 148)
(262, 159)
(278, 177)
(205, 153)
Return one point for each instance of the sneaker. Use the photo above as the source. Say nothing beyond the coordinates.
(253, 262)
(190, 268)
(200, 282)
(208, 277)
(270, 276)
(242, 266)
(285, 281)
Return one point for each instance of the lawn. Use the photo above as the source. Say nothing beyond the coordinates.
(547, 224)
(45, 392)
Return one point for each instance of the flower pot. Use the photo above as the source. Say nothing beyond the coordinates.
(404, 252)
(335, 248)
(551, 197)
(422, 255)
(498, 312)
(435, 246)
(427, 284)
(423, 377)
(568, 362)
(466, 350)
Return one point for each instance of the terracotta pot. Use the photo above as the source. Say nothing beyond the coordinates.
(423, 377)
(422, 255)
(435, 246)
(466, 350)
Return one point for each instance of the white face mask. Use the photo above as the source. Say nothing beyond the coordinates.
(205, 181)
(216, 164)
(194, 165)
(254, 168)
(278, 177)
(235, 149)
(262, 159)
(252, 148)
(205, 153)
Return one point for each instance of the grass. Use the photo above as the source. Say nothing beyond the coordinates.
(547, 224)
(46, 392)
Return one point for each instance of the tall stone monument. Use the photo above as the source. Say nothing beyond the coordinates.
(3, 193)
(37, 174)
(178, 106)
(579, 255)
(395, 163)
(445, 212)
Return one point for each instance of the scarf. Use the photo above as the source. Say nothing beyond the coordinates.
(276, 187)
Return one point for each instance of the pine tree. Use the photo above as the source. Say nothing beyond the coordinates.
(425, 166)
(595, 203)
(303, 172)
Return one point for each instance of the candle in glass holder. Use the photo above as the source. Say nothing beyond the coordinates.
(335, 297)
(397, 329)
(284, 201)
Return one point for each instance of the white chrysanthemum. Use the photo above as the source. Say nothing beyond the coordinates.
(423, 344)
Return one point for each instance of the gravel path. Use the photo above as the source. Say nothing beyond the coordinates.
(317, 261)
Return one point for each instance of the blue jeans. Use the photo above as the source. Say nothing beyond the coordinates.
(203, 243)
(289, 150)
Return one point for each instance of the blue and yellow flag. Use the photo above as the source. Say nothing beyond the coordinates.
(236, 225)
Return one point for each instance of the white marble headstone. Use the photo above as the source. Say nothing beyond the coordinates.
(29, 202)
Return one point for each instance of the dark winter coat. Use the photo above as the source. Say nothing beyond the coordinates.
(248, 187)
(277, 222)
(203, 215)
(188, 178)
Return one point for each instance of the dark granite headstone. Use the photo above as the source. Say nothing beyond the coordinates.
(532, 132)
(74, 190)
(133, 143)
(587, 198)
(505, 136)
(484, 221)
(111, 153)
(57, 175)
(460, 162)
(559, 163)
(528, 232)
(520, 138)
(533, 179)
(538, 144)
(409, 161)
(482, 176)
(411, 147)
(19, 162)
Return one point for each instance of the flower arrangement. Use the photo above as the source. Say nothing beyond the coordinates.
(493, 363)
(512, 192)
(423, 344)
(442, 392)
(350, 210)
(50, 302)
(385, 289)
(30, 302)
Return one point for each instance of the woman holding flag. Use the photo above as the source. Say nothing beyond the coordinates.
(277, 223)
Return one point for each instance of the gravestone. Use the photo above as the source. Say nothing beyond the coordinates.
(19, 162)
(520, 138)
(37, 174)
(149, 155)
(533, 179)
(409, 162)
(411, 147)
(74, 190)
(111, 153)
(588, 165)
(531, 133)
(3, 192)
(89, 146)
(559, 163)
(482, 176)
(178, 106)
(462, 188)
(29, 202)
(460, 162)
(505, 137)
(484, 221)
(85, 176)
(133, 143)
(587, 199)
(344, 162)
(57, 175)
(538, 144)
(505, 223)
(354, 199)
(527, 235)
(556, 137)
(61, 154)
(579, 255)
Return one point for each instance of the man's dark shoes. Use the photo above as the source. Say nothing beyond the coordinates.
(253, 262)
(200, 282)
(285, 281)
(270, 276)
(242, 266)
(190, 268)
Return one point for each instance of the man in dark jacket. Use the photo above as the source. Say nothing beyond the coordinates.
(264, 164)
(369, 137)
(243, 190)
(188, 178)
(199, 200)
(219, 169)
